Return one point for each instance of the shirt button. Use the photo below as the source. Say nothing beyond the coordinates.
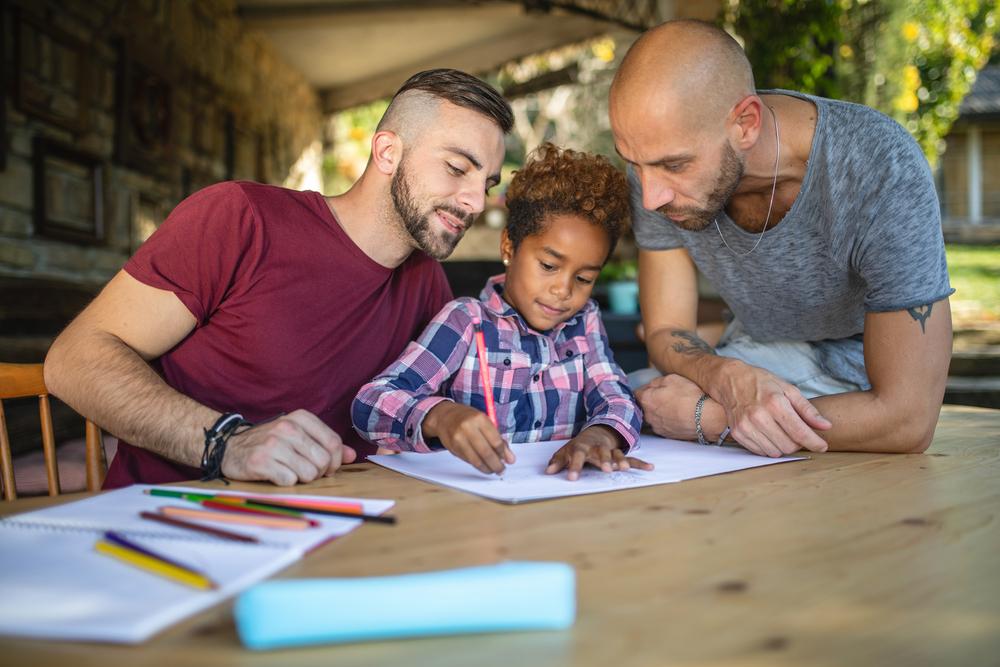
(506, 362)
(538, 424)
(569, 353)
(409, 432)
(537, 378)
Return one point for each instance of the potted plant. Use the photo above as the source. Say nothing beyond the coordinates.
(623, 291)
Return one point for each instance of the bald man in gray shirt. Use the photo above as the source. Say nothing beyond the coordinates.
(817, 222)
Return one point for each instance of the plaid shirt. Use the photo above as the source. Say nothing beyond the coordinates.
(546, 386)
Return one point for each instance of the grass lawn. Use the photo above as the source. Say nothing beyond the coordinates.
(975, 275)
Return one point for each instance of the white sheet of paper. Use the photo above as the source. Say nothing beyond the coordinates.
(525, 480)
(53, 584)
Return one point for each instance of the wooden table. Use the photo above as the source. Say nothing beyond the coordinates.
(845, 559)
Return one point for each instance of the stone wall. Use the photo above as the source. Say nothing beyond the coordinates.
(115, 110)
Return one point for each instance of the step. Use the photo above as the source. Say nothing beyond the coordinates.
(979, 391)
(982, 361)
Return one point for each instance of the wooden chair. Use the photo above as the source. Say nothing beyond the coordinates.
(23, 380)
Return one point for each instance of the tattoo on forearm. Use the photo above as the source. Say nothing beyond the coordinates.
(920, 314)
(689, 343)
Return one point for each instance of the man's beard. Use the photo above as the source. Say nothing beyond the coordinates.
(698, 218)
(418, 225)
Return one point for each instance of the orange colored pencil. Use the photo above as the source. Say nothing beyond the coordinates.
(290, 523)
(227, 506)
(301, 505)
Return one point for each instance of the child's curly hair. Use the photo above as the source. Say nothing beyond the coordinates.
(559, 181)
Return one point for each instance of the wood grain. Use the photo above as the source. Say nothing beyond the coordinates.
(843, 559)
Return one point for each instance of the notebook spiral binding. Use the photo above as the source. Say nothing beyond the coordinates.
(55, 525)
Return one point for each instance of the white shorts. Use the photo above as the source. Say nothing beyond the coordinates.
(794, 362)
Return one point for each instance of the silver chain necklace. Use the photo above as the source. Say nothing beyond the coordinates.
(774, 185)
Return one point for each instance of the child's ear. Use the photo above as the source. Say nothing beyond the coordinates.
(506, 248)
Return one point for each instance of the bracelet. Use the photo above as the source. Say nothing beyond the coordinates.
(698, 407)
(216, 438)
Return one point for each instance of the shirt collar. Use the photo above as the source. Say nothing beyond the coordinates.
(492, 298)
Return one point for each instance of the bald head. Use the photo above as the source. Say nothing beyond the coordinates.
(683, 64)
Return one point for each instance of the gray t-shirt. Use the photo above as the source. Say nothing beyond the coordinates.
(864, 235)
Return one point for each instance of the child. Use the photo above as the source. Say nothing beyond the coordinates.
(550, 367)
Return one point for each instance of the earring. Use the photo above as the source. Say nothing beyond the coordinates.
(506, 262)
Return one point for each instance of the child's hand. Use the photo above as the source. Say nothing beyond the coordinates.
(468, 434)
(600, 446)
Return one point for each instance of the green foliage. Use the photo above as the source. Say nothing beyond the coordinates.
(619, 269)
(791, 43)
(914, 60)
(975, 275)
(352, 132)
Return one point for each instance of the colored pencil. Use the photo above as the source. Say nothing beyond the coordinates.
(375, 518)
(291, 503)
(302, 503)
(209, 530)
(248, 508)
(484, 371)
(290, 523)
(278, 508)
(154, 565)
(121, 540)
(331, 508)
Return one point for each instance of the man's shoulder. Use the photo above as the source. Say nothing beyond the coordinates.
(247, 191)
(849, 115)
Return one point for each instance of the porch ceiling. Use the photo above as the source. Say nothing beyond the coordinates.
(355, 51)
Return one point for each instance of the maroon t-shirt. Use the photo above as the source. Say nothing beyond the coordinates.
(290, 312)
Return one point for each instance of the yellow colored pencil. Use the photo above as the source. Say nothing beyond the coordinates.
(154, 566)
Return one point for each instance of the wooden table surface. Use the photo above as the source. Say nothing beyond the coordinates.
(844, 559)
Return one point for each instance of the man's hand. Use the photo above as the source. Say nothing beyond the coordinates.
(468, 434)
(600, 446)
(296, 447)
(668, 406)
(768, 416)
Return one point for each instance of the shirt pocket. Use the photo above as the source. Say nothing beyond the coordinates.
(567, 371)
(511, 375)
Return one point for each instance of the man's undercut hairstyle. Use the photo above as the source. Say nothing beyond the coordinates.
(422, 91)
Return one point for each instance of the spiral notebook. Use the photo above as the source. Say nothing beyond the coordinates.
(54, 585)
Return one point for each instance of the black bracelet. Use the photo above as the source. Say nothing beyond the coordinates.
(216, 437)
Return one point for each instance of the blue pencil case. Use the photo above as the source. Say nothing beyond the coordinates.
(492, 598)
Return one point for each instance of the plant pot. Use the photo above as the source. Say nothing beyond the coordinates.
(623, 296)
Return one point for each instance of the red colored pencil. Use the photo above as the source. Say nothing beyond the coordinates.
(484, 371)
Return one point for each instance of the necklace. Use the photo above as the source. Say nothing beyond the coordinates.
(774, 185)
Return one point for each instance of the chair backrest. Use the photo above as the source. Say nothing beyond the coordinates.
(24, 380)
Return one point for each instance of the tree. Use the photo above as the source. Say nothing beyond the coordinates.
(914, 60)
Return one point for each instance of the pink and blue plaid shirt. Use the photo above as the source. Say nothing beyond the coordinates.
(546, 386)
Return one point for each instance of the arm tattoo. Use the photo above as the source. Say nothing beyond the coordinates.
(689, 343)
(920, 314)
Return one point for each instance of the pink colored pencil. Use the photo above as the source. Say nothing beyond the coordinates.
(484, 371)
